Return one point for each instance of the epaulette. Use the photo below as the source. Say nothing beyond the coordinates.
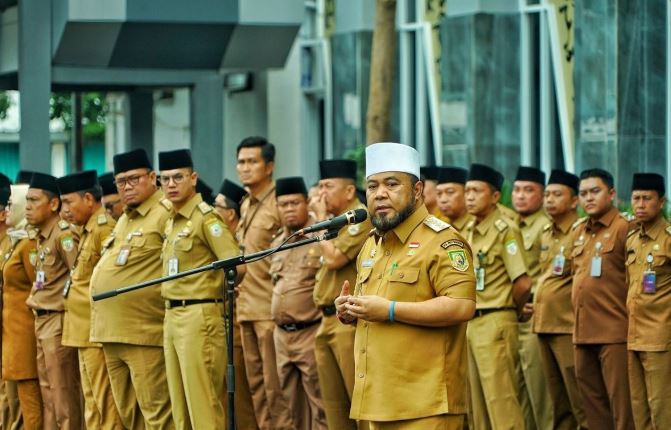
(166, 204)
(63, 225)
(501, 224)
(435, 224)
(547, 227)
(578, 222)
(102, 219)
(626, 215)
(668, 230)
(204, 208)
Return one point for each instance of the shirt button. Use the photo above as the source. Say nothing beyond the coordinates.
(363, 350)
(400, 275)
(365, 324)
(387, 253)
(379, 276)
(360, 375)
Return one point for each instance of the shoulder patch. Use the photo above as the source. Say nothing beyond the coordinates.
(668, 230)
(166, 204)
(68, 243)
(102, 219)
(578, 222)
(435, 224)
(458, 259)
(501, 224)
(63, 225)
(204, 208)
(215, 227)
(452, 242)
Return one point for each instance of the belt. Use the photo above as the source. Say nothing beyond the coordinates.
(482, 312)
(328, 311)
(43, 312)
(298, 326)
(169, 304)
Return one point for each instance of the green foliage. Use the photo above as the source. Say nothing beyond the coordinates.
(359, 155)
(506, 194)
(5, 103)
(94, 109)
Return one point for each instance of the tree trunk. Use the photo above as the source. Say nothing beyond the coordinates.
(381, 72)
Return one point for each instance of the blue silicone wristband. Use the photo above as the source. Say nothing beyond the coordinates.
(391, 310)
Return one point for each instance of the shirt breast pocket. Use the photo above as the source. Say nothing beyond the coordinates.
(184, 246)
(361, 281)
(403, 285)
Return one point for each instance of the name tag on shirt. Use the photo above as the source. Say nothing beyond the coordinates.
(39, 280)
(480, 279)
(649, 282)
(367, 263)
(595, 270)
(558, 265)
(122, 258)
(173, 266)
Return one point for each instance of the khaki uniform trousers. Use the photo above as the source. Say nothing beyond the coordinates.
(559, 368)
(58, 372)
(600, 372)
(30, 398)
(334, 352)
(649, 381)
(100, 411)
(493, 358)
(270, 407)
(536, 400)
(438, 422)
(299, 381)
(10, 411)
(137, 375)
(244, 409)
(194, 341)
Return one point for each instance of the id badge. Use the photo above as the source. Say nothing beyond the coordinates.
(122, 258)
(480, 279)
(39, 280)
(649, 282)
(595, 271)
(173, 266)
(558, 265)
(66, 288)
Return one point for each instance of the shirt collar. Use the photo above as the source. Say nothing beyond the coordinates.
(531, 219)
(403, 230)
(654, 231)
(565, 225)
(605, 219)
(46, 230)
(146, 205)
(483, 226)
(190, 206)
(461, 221)
(263, 194)
(93, 220)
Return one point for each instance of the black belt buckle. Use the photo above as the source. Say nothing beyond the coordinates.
(290, 327)
(328, 311)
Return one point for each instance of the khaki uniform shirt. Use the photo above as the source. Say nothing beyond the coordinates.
(134, 318)
(460, 223)
(507, 212)
(195, 236)
(531, 228)
(553, 312)
(349, 241)
(405, 371)
(496, 243)
(259, 221)
(77, 320)
(649, 313)
(5, 252)
(599, 303)
(293, 273)
(56, 253)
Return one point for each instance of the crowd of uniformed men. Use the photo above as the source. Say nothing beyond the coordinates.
(443, 310)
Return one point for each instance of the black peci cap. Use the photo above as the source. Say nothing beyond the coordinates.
(649, 181)
(337, 169)
(106, 181)
(480, 172)
(532, 174)
(178, 159)
(452, 174)
(135, 159)
(44, 182)
(23, 177)
(232, 191)
(77, 182)
(4, 195)
(563, 177)
(290, 185)
(204, 190)
(430, 173)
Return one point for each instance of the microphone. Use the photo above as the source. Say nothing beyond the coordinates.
(350, 217)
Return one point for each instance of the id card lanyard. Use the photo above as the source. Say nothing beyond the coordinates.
(596, 261)
(558, 263)
(649, 277)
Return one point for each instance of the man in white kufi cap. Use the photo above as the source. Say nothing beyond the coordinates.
(414, 293)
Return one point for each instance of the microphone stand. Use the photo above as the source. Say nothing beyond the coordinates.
(229, 267)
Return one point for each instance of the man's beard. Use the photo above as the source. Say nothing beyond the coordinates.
(386, 224)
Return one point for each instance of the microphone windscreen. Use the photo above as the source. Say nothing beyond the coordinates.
(360, 215)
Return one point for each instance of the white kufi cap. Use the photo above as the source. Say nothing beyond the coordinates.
(391, 157)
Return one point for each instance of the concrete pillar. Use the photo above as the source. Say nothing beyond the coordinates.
(141, 122)
(35, 84)
(207, 128)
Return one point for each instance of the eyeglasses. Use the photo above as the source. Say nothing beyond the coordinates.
(131, 180)
(178, 178)
(110, 205)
